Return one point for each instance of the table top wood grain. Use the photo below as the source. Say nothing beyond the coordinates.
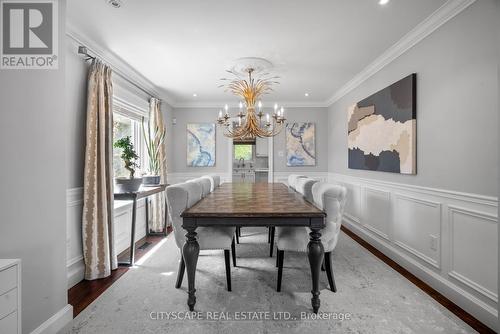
(241, 200)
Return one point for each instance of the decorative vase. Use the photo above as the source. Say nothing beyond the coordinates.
(150, 180)
(125, 185)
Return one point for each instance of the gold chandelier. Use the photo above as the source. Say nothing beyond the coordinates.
(251, 124)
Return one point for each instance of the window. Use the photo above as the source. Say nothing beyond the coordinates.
(244, 151)
(124, 126)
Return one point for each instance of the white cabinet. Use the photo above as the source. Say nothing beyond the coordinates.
(261, 147)
(10, 296)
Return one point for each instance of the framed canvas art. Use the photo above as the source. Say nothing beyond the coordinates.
(300, 144)
(201, 145)
(381, 130)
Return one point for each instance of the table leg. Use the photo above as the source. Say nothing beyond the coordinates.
(132, 238)
(146, 204)
(190, 251)
(315, 252)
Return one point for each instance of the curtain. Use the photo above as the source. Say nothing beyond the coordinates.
(158, 214)
(97, 221)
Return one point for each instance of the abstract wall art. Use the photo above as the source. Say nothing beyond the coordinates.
(300, 144)
(381, 130)
(201, 144)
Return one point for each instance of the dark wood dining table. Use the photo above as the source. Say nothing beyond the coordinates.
(254, 204)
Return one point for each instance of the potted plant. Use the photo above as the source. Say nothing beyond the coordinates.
(129, 158)
(154, 139)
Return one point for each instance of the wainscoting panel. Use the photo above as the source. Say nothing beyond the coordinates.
(446, 238)
(473, 238)
(417, 227)
(123, 219)
(377, 211)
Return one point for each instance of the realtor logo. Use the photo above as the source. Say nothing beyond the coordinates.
(28, 34)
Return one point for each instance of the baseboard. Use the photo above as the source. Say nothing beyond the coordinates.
(75, 271)
(59, 323)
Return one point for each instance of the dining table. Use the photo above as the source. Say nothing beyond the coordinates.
(254, 204)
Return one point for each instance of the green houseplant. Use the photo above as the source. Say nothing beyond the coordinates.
(129, 157)
(153, 137)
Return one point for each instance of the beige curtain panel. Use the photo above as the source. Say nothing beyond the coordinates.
(97, 223)
(158, 214)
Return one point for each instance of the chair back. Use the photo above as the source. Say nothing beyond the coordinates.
(212, 181)
(179, 198)
(205, 184)
(292, 180)
(216, 180)
(304, 186)
(331, 198)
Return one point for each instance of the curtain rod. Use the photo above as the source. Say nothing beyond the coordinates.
(84, 51)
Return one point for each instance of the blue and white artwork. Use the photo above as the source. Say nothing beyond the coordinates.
(201, 145)
(300, 144)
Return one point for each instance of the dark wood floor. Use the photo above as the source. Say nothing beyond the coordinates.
(452, 307)
(82, 294)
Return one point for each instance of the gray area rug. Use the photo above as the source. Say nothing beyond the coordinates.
(371, 297)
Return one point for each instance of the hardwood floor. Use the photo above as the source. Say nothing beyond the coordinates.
(452, 307)
(82, 294)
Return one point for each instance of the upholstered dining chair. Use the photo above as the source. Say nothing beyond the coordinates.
(331, 198)
(214, 181)
(303, 185)
(292, 180)
(181, 197)
(206, 184)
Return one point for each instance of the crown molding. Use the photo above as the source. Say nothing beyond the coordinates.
(439, 17)
(118, 65)
(220, 104)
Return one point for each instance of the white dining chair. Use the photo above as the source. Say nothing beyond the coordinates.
(206, 184)
(292, 180)
(303, 185)
(181, 197)
(214, 181)
(331, 198)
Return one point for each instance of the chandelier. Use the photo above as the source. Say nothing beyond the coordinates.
(252, 123)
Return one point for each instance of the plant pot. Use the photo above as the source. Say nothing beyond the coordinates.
(151, 180)
(124, 185)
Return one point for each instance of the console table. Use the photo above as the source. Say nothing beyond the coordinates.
(143, 192)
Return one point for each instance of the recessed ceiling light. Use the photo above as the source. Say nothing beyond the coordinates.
(115, 3)
(306, 94)
(383, 2)
(195, 95)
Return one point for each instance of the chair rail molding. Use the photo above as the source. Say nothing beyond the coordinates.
(446, 12)
(446, 238)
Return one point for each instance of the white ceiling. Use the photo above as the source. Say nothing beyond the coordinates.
(184, 47)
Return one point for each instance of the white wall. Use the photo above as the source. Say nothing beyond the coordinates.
(33, 183)
(179, 171)
(454, 196)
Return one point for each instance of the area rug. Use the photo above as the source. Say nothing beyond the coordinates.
(371, 297)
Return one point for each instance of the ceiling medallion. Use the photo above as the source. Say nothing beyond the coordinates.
(250, 84)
